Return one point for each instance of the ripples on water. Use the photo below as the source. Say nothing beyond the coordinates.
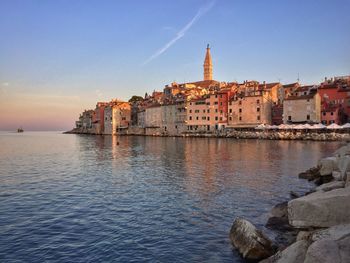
(72, 198)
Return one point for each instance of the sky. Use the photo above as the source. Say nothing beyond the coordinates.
(58, 58)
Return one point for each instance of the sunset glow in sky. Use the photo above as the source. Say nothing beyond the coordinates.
(58, 58)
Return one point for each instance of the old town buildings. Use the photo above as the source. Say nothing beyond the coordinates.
(211, 106)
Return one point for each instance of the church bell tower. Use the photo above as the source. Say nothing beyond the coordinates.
(208, 65)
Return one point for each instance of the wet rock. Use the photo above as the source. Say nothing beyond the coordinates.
(310, 174)
(331, 186)
(320, 209)
(250, 241)
(294, 195)
(295, 253)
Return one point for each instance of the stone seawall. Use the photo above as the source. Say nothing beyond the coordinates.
(312, 135)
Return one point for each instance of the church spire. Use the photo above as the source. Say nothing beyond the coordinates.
(208, 65)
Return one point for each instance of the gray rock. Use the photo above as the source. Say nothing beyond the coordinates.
(342, 151)
(337, 176)
(295, 253)
(325, 250)
(320, 209)
(344, 166)
(331, 186)
(328, 165)
(250, 241)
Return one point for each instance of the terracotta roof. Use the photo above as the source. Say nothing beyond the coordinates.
(268, 85)
(304, 97)
(291, 85)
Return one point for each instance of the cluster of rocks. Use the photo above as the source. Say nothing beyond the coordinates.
(319, 221)
(289, 135)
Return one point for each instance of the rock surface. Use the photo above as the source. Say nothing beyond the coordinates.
(328, 165)
(331, 186)
(320, 209)
(330, 245)
(295, 253)
(250, 241)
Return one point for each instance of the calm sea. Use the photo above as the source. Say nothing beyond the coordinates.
(76, 198)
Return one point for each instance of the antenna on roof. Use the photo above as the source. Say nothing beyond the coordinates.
(298, 77)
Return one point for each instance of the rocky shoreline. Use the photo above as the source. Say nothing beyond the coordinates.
(317, 224)
(310, 135)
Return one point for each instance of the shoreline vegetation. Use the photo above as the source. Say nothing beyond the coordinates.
(312, 135)
(310, 228)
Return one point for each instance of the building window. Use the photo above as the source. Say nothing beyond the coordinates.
(216, 103)
(203, 111)
(230, 110)
(220, 118)
(332, 113)
(257, 101)
(220, 111)
(216, 96)
(190, 118)
(197, 118)
(289, 118)
(240, 110)
(220, 103)
(216, 110)
(208, 118)
(220, 96)
(190, 111)
(208, 111)
(230, 118)
(240, 118)
(230, 103)
(308, 100)
(324, 113)
(240, 102)
(305, 93)
(204, 118)
(308, 117)
(216, 118)
(258, 118)
(258, 109)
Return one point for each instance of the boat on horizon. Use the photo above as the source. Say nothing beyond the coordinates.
(20, 130)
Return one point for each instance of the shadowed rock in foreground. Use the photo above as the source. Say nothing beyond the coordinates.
(249, 241)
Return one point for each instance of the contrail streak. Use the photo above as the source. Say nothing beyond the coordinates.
(182, 32)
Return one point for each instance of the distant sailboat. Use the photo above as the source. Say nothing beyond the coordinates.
(20, 129)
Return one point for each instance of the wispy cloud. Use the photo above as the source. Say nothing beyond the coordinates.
(5, 84)
(204, 9)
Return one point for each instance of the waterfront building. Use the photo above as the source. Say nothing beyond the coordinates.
(302, 109)
(98, 120)
(141, 118)
(87, 119)
(121, 116)
(335, 100)
(108, 118)
(173, 118)
(252, 104)
(153, 119)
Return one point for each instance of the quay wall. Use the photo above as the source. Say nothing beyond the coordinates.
(313, 135)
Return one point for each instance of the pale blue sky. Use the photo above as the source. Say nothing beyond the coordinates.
(62, 56)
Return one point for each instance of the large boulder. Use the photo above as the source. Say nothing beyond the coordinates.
(320, 209)
(328, 165)
(331, 186)
(330, 245)
(295, 253)
(250, 241)
(342, 151)
(344, 166)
